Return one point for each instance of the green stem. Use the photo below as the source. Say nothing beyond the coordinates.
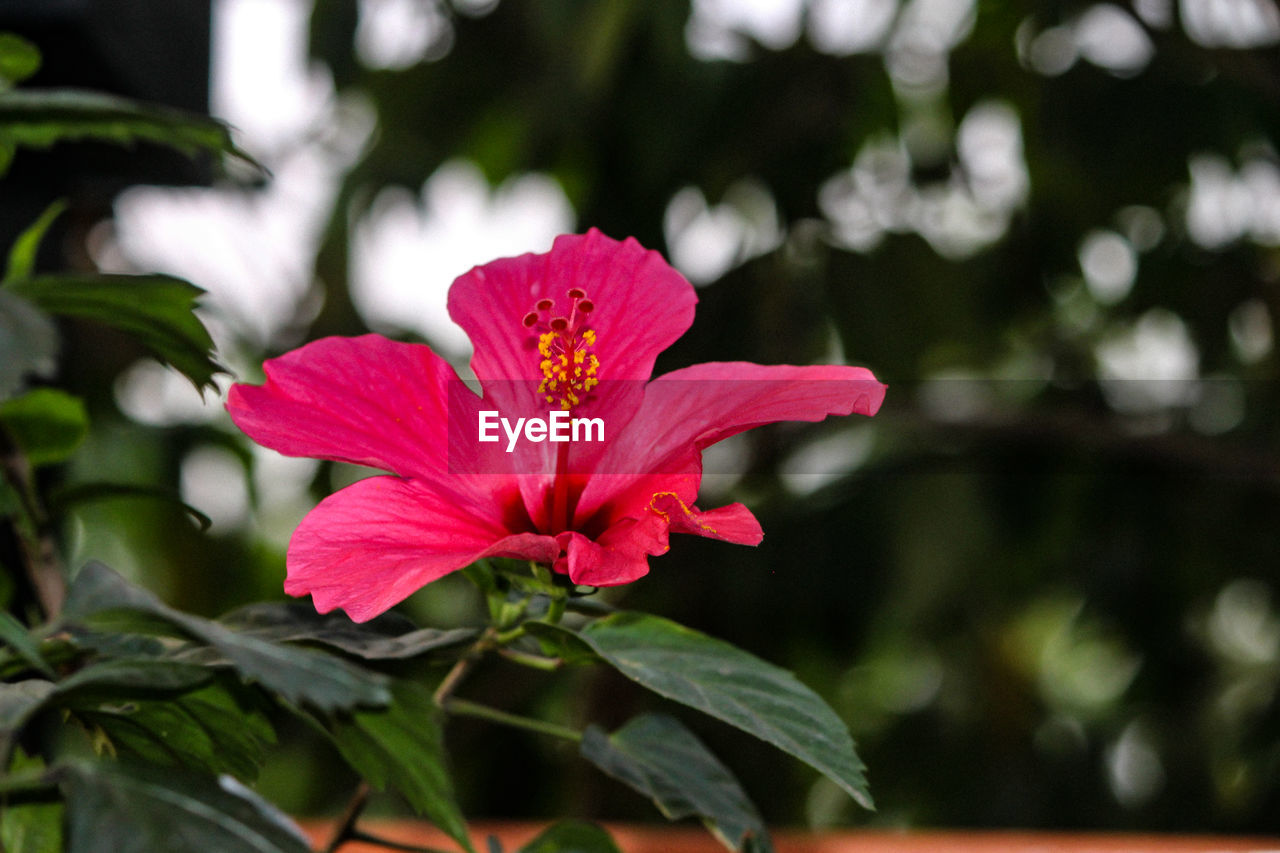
(545, 664)
(35, 538)
(464, 666)
(464, 708)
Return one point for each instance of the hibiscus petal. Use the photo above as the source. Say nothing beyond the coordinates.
(732, 523)
(366, 400)
(620, 555)
(687, 410)
(641, 306)
(374, 543)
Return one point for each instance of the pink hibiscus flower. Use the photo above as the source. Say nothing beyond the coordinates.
(571, 334)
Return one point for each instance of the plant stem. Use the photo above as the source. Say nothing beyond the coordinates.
(39, 553)
(391, 844)
(464, 665)
(545, 664)
(346, 829)
(464, 708)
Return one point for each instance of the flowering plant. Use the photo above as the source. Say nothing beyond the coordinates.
(129, 725)
(573, 331)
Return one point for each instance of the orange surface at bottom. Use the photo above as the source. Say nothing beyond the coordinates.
(643, 839)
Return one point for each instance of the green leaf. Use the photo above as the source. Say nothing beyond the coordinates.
(156, 310)
(137, 809)
(572, 836)
(657, 756)
(402, 746)
(389, 637)
(46, 424)
(105, 681)
(16, 636)
(28, 343)
(22, 255)
(37, 118)
(142, 674)
(731, 685)
(301, 676)
(559, 642)
(30, 824)
(18, 702)
(216, 729)
(65, 498)
(19, 59)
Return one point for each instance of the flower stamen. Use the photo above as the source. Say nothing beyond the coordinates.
(566, 347)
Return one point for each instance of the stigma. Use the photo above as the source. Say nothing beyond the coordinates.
(566, 349)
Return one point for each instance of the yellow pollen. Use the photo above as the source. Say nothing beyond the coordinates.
(667, 517)
(568, 366)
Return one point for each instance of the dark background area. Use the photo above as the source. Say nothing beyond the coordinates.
(1040, 585)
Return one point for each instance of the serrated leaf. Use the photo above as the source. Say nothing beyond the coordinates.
(559, 642)
(572, 836)
(301, 676)
(28, 343)
(33, 824)
(731, 685)
(22, 255)
(213, 729)
(16, 636)
(39, 118)
(64, 498)
(154, 674)
(156, 310)
(657, 756)
(107, 680)
(19, 59)
(388, 637)
(46, 424)
(402, 746)
(18, 701)
(137, 809)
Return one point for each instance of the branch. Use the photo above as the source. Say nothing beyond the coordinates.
(39, 553)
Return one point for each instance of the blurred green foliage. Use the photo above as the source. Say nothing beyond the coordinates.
(1043, 591)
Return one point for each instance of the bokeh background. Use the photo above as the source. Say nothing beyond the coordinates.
(1040, 586)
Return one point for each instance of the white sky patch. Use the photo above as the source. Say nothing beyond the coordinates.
(707, 241)
(1249, 327)
(396, 34)
(151, 393)
(1109, 264)
(958, 216)
(407, 250)
(845, 27)
(1224, 205)
(719, 29)
(1110, 38)
(989, 144)
(261, 82)
(213, 481)
(251, 249)
(1237, 24)
(1151, 366)
(825, 460)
